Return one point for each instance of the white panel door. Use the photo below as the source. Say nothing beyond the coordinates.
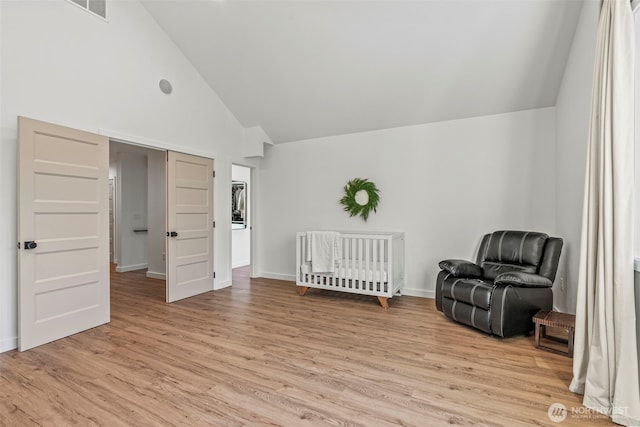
(63, 232)
(189, 225)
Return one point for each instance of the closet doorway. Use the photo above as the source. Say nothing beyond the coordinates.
(163, 217)
(242, 220)
(139, 208)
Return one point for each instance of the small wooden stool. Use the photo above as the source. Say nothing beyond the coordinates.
(558, 320)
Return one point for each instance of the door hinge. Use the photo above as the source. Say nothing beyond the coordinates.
(214, 274)
(214, 224)
(18, 245)
(214, 174)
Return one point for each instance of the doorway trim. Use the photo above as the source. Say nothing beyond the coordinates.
(152, 143)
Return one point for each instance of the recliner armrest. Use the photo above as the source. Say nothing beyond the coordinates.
(461, 268)
(523, 280)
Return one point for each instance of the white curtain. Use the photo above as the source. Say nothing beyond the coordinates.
(605, 365)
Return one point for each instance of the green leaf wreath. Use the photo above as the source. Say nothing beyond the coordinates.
(349, 199)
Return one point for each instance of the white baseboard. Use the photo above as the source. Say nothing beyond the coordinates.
(134, 267)
(156, 275)
(242, 263)
(277, 276)
(412, 292)
(8, 344)
(221, 285)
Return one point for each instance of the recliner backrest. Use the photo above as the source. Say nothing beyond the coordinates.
(505, 251)
(551, 258)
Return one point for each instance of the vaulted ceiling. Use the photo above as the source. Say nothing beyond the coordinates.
(305, 69)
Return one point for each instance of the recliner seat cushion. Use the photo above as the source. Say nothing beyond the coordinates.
(475, 292)
(525, 280)
(491, 269)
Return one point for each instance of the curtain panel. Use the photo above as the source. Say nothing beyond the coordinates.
(605, 365)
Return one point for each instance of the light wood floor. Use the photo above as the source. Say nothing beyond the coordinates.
(259, 354)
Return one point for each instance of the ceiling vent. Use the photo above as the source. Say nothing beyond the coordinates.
(96, 7)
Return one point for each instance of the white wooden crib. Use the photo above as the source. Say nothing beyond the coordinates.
(370, 264)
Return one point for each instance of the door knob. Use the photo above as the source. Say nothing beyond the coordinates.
(30, 245)
(173, 234)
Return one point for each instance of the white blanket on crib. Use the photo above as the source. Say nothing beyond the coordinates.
(323, 250)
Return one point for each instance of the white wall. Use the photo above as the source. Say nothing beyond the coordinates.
(241, 237)
(443, 184)
(62, 65)
(573, 110)
(156, 213)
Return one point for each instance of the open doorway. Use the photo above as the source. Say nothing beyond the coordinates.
(138, 210)
(241, 216)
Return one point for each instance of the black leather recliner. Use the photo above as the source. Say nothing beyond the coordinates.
(510, 281)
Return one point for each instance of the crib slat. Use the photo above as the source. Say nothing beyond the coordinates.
(336, 268)
(374, 266)
(385, 245)
(345, 265)
(298, 254)
(365, 271)
(377, 270)
(362, 273)
(360, 260)
(354, 264)
(380, 268)
(302, 255)
(348, 273)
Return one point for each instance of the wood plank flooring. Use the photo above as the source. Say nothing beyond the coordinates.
(260, 354)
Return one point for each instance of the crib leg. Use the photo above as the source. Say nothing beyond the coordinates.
(303, 290)
(383, 302)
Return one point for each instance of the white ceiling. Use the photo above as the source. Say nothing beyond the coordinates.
(305, 69)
